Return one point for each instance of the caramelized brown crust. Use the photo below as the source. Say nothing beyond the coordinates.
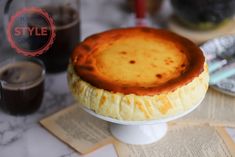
(88, 66)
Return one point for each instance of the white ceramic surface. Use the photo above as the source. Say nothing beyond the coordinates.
(139, 132)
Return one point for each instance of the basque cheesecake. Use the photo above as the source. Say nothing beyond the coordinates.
(138, 73)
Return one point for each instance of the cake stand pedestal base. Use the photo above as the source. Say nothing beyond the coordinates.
(138, 134)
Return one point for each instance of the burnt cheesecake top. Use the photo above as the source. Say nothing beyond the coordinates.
(138, 60)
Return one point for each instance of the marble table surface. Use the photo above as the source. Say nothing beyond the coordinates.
(23, 136)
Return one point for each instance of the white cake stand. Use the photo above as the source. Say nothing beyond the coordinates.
(139, 132)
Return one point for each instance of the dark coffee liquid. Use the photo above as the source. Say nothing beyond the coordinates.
(67, 36)
(22, 90)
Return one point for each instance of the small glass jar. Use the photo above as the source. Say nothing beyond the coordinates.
(21, 85)
(203, 14)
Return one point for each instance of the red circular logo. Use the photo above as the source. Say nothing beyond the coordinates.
(31, 31)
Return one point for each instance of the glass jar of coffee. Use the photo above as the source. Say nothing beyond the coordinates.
(65, 14)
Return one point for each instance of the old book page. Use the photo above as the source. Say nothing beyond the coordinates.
(186, 141)
(86, 133)
(216, 109)
(78, 129)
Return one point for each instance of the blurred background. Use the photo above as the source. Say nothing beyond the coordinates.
(97, 16)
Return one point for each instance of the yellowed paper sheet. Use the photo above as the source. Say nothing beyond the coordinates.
(227, 139)
(183, 141)
(216, 109)
(78, 129)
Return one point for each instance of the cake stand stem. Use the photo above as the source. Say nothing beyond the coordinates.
(138, 134)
